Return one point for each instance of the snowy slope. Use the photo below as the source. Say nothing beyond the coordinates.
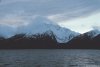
(40, 25)
(93, 33)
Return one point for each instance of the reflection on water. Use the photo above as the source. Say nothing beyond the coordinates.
(49, 58)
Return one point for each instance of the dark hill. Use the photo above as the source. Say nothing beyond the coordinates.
(45, 41)
(84, 42)
(20, 41)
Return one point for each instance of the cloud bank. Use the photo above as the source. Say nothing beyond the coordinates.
(78, 15)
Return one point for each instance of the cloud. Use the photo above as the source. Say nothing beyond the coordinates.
(49, 7)
(70, 15)
(7, 31)
(82, 24)
(13, 21)
(97, 27)
(67, 13)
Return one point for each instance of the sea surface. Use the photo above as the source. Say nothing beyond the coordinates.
(50, 58)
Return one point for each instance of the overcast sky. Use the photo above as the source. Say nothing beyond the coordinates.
(77, 15)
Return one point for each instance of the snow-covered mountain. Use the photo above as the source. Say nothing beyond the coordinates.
(93, 33)
(40, 25)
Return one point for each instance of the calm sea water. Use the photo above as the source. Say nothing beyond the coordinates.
(49, 58)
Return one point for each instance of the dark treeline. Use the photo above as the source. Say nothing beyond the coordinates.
(45, 41)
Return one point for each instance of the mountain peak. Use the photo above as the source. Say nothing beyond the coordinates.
(41, 25)
(93, 33)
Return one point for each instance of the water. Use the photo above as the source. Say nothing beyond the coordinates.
(49, 58)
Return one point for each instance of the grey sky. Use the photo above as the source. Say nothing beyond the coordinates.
(63, 12)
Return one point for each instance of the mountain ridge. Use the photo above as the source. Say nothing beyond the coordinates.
(40, 25)
(46, 41)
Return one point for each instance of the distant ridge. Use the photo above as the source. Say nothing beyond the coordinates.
(89, 40)
(48, 41)
(43, 33)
